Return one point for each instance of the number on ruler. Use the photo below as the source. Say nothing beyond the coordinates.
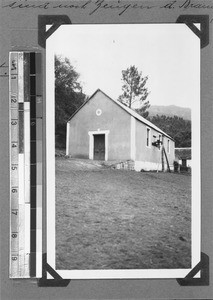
(14, 168)
(14, 122)
(14, 235)
(14, 257)
(13, 99)
(13, 65)
(15, 212)
(14, 190)
(14, 145)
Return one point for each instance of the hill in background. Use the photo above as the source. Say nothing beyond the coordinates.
(170, 111)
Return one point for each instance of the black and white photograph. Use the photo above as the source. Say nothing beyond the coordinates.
(106, 149)
(123, 150)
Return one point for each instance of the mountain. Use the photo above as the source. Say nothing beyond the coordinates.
(170, 110)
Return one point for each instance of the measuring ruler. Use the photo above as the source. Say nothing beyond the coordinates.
(25, 165)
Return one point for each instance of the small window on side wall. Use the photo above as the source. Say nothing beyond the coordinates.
(148, 134)
(168, 146)
(159, 138)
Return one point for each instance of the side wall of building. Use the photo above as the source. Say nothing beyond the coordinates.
(112, 119)
(147, 156)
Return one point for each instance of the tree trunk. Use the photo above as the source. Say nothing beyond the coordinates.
(130, 100)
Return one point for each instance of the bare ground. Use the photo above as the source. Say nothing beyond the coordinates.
(117, 219)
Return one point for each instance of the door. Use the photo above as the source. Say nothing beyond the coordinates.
(99, 146)
(184, 163)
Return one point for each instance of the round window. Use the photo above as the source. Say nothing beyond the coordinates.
(98, 112)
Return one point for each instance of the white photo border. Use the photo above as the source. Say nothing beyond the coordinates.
(50, 194)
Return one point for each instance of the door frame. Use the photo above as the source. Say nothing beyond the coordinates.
(91, 142)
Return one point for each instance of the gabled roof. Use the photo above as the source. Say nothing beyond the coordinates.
(127, 109)
(183, 153)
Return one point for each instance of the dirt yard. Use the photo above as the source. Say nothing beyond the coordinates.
(117, 219)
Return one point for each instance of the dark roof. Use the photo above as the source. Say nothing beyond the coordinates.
(183, 153)
(128, 110)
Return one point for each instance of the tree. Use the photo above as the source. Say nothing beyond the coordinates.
(134, 89)
(68, 96)
(143, 110)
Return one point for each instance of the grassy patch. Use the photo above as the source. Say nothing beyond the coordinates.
(116, 219)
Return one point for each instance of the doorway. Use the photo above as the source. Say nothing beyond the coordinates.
(99, 147)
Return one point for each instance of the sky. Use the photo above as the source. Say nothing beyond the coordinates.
(169, 54)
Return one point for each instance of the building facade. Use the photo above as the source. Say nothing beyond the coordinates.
(104, 129)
